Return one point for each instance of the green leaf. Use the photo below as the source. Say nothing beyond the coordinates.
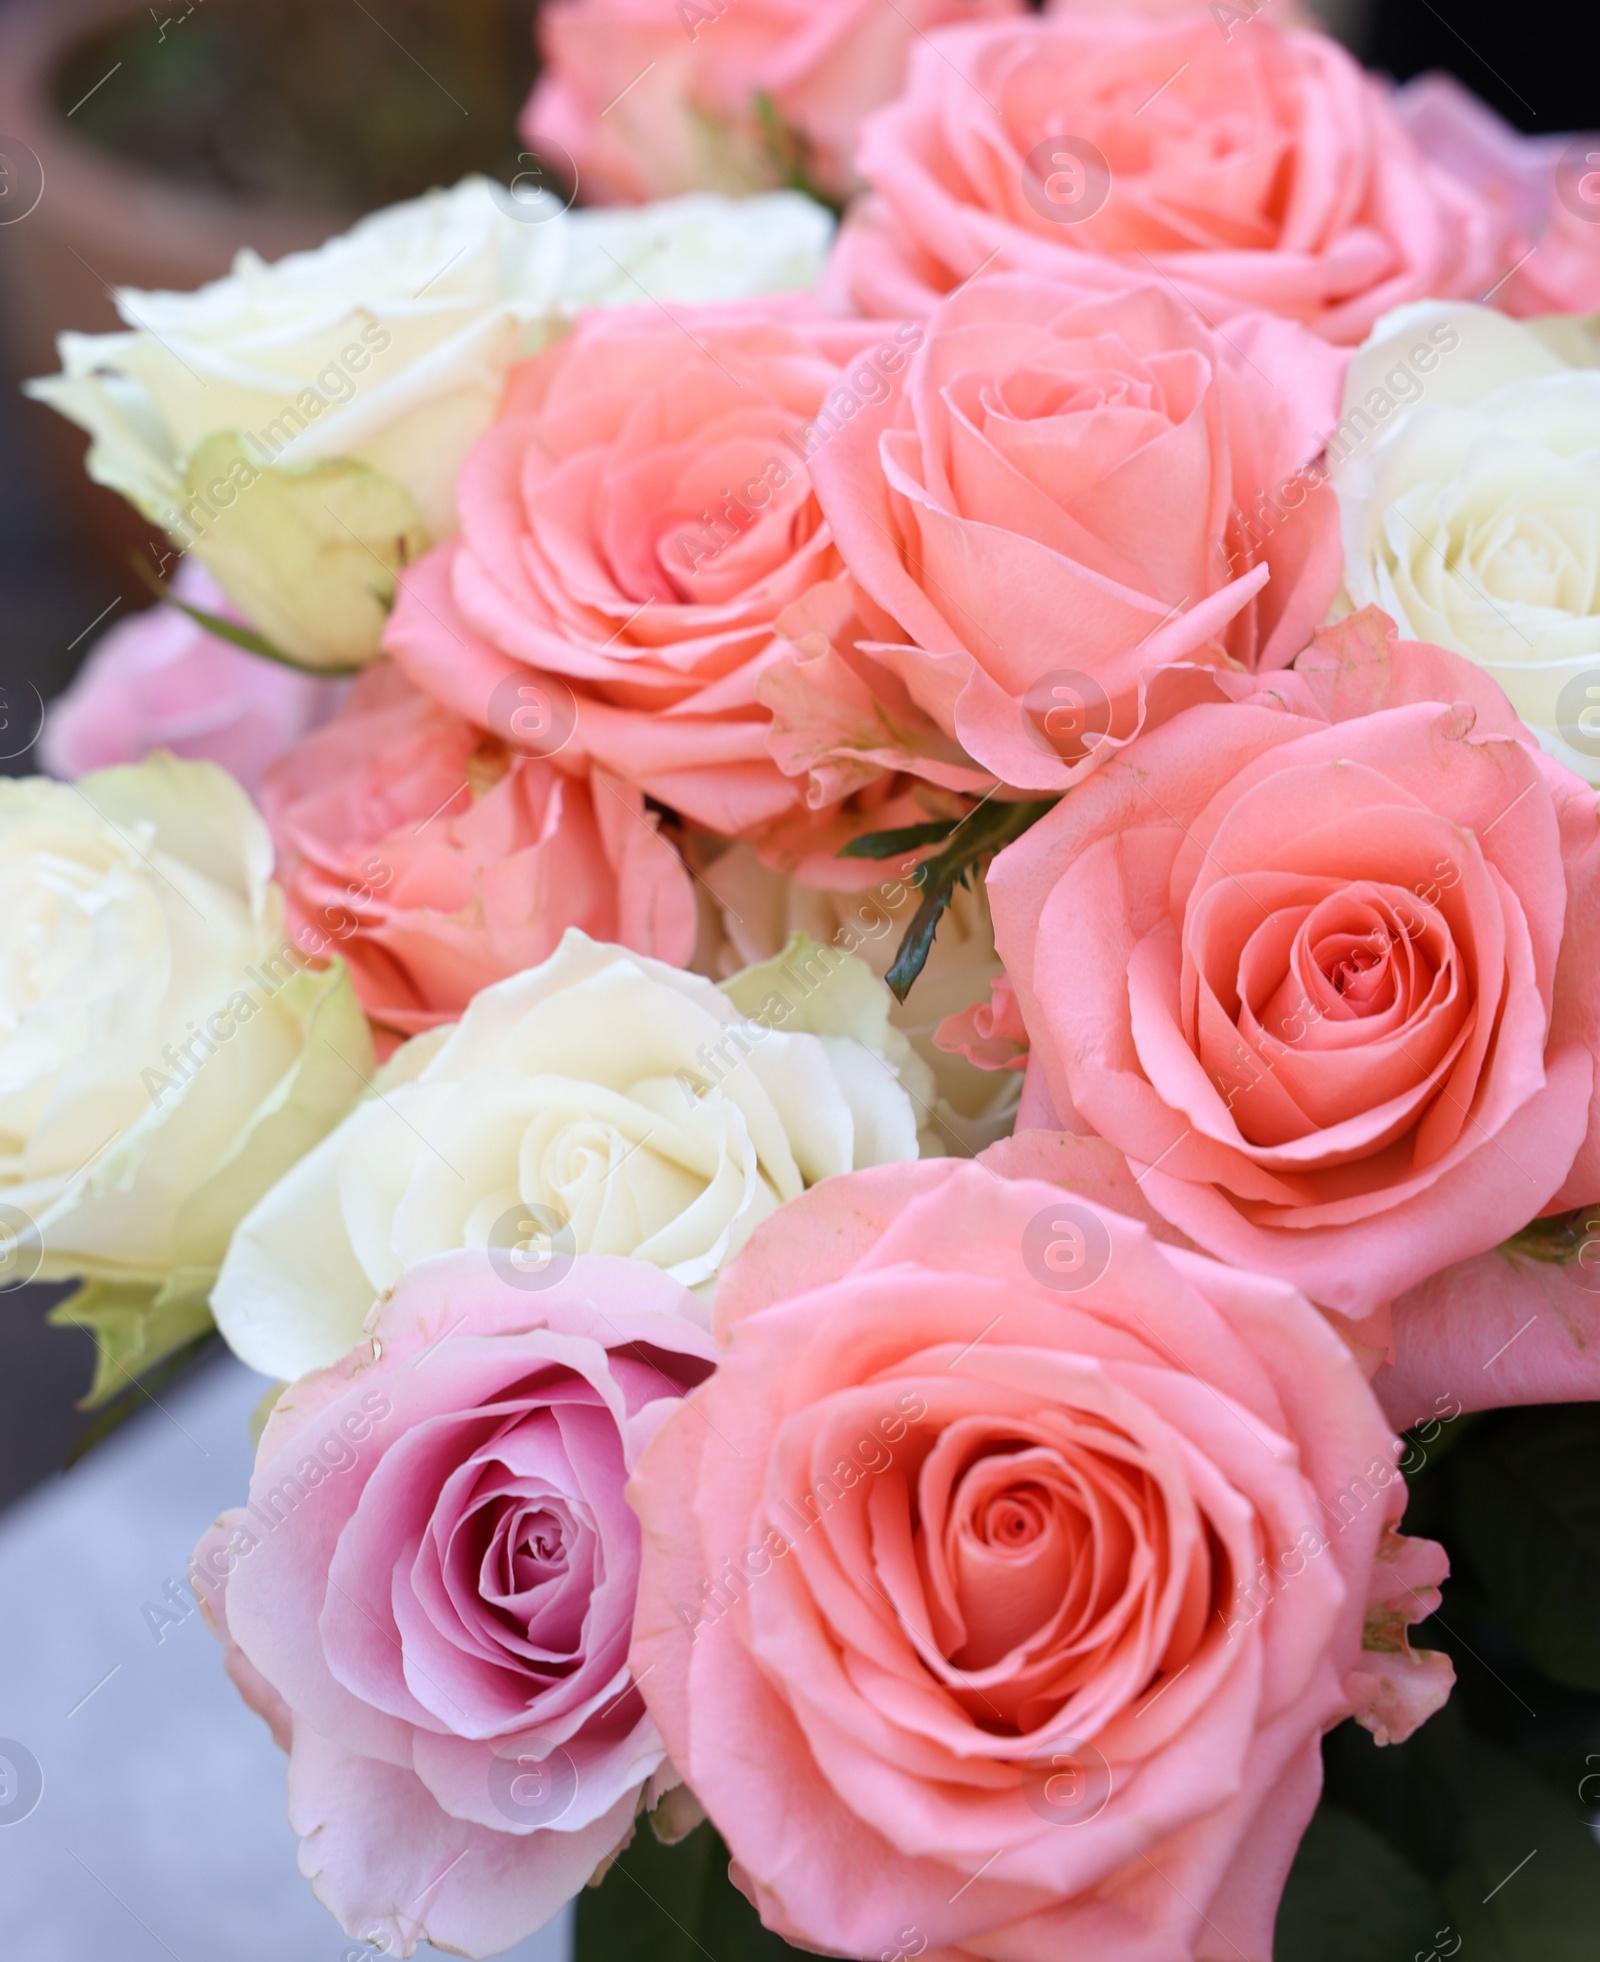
(115, 1415)
(909, 838)
(228, 630)
(1351, 1898)
(672, 1904)
(790, 152)
(984, 831)
(1529, 1887)
(1527, 1515)
(309, 553)
(136, 1327)
(1558, 1240)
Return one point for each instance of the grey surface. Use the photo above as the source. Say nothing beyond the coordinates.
(161, 1834)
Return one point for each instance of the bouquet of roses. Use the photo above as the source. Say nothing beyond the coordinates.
(860, 955)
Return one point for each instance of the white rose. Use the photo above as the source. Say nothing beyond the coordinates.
(759, 910)
(300, 426)
(1469, 490)
(600, 1103)
(162, 1062)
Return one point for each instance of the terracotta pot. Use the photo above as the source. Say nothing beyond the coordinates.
(100, 221)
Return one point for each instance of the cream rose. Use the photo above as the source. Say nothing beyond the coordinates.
(300, 425)
(1469, 492)
(599, 1103)
(759, 910)
(164, 1058)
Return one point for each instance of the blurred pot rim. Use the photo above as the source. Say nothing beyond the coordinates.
(104, 196)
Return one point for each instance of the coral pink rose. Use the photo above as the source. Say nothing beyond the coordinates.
(651, 98)
(439, 861)
(1256, 169)
(1549, 187)
(1519, 1325)
(631, 530)
(1321, 964)
(1001, 1583)
(430, 1594)
(1057, 499)
(991, 1034)
(160, 681)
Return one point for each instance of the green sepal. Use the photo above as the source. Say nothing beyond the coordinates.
(137, 1327)
(984, 831)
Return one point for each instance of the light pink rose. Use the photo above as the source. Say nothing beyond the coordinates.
(1001, 1583)
(1459, 132)
(991, 1034)
(1061, 495)
(1260, 168)
(651, 98)
(1516, 1326)
(430, 1594)
(1551, 259)
(1519, 1325)
(438, 861)
(160, 681)
(1321, 965)
(631, 530)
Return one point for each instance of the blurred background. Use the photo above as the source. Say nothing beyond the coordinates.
(168, 140)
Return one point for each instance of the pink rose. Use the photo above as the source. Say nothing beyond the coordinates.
(1259, 168)
(651, 98)
(1459, 132)
(631, 529)
(1549, 187)
(1320, 963)
(1001, 1583)
(990, 1034)
(1062, 494)
(160, 681)
(1517, 1326)
(430, 1594)
(438, 860)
